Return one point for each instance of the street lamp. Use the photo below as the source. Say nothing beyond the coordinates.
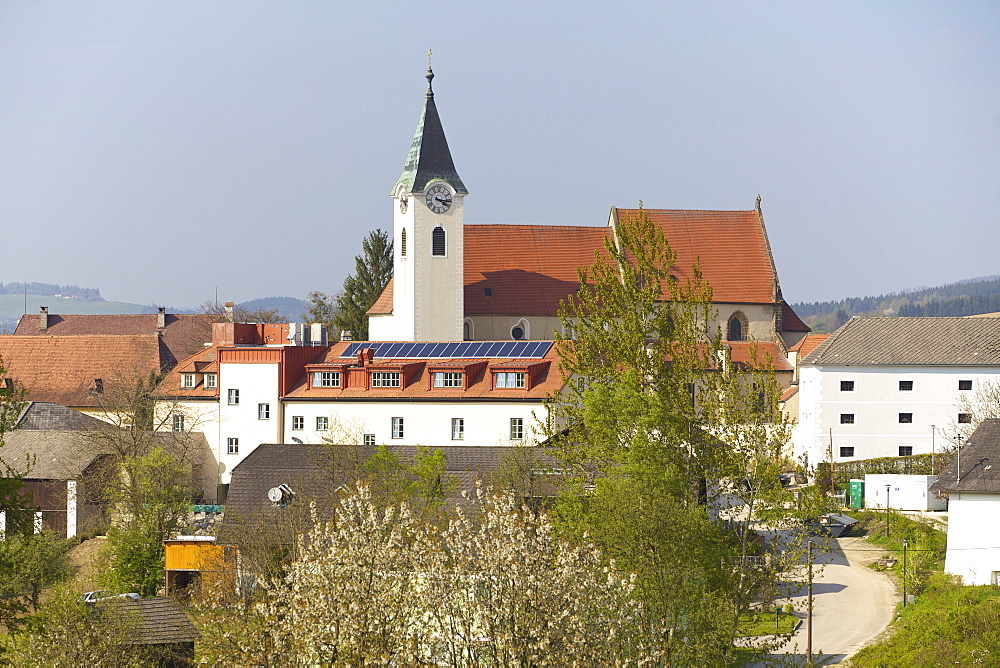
(933, 431)
(906, 544)
(887, 510)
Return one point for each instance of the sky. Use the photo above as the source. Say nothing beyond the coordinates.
(168, 152)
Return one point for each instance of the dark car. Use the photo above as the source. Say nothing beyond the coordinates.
(831, 524)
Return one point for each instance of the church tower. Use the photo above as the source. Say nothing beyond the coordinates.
(428, 300)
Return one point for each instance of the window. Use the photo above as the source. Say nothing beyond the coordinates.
(178, 422)
(298, 423)
(397, 427)
(520, 331)
(905, 450)
(965, 384)
(847, 451)
(847, 386)
(438, 245)
(369, 439)
(234, 397)
(847, 418)
(516, 429)
(402, 243)
(448, 379)
(233, 445)
(385, 379)
(326, 379)
(906, 386)
(263, 411)
(511, 380)
(322, 424)
(905, 418)
(468, 330)
(516, 333)
(965, 418)
(187, 380)
(457, 429)
(735, 328)
(211, 381)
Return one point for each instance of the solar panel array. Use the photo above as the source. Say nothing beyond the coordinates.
(458, 349)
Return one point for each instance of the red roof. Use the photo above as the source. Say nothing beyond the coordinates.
(808, 344)
(384, 302)
(184, 333)
(766, 352)
(790, 320)
(62, 369)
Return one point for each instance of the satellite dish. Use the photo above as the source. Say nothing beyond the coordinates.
(275, 495)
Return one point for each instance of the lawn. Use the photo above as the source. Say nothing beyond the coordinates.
(763, 623)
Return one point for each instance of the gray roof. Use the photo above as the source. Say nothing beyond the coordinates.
(979, 472)
(159, 621)
(869, 341)
(429, 157)
(49, 455)
(45, 415)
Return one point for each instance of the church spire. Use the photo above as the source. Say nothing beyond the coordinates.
(429, 157)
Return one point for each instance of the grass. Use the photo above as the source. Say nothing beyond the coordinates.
(763, 623)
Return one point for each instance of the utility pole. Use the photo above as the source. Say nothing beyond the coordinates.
(809, 609)
(933, 433)
(887, 510)
(906, 544)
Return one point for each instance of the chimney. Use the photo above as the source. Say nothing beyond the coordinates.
(229, 311)
(43, 319)
(161, 317)
(345, 335)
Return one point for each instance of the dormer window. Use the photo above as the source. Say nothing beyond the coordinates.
(385, 378)
(448, 379)
(326, 379)
(211, 381)
(187, 380)
(511, 380)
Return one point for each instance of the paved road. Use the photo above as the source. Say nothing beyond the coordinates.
(851, 604)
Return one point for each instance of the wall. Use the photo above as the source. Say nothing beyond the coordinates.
(973, 537)
(257, 383)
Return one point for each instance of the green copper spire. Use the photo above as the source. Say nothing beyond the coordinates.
(429, 157)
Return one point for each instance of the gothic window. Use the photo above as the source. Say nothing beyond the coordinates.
(438, 246)
(737, 328)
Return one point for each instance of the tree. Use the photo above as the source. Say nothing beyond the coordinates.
(670, 436)
(373, 269)
(220, 313)
(977, 406)
(12, 497)
(321, 307)
(29, 562)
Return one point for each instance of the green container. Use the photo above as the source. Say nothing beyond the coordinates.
(857, 494)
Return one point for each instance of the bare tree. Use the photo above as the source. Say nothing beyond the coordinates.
(973, 408)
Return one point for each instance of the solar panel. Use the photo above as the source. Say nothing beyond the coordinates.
(453, 350)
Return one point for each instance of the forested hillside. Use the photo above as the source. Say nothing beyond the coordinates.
(65, 291)
(972, 297)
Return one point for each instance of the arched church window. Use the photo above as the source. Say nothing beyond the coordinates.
(468, 330)
(438, 246)
(736, 330)
(402, 243)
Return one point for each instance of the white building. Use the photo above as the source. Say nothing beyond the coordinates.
(973, 492)
(887, 387)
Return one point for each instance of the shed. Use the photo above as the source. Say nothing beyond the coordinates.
(905, 492)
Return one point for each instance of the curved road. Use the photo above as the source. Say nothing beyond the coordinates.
(851, 603)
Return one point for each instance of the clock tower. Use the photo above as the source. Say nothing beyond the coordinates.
(428, 285)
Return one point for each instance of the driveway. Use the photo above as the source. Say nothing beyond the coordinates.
(852, 604)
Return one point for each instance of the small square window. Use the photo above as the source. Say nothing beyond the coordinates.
(178, 423)
(905, 385)
(905, 418)
(233, 446)
(211, 381)
(457, 429)
(263, 411)
(905, 450)
(369, 439)
(847, 386)
(965, 418)
(187, 380)
(847, 418)
(965, 384)
(516, 429)
(847, 451)
(397, 427)
(322, 424)
(298, 422)
(234, 397)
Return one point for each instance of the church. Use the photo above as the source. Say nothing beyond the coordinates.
(457, 281)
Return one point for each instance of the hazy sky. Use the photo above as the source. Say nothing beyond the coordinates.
(161, 151)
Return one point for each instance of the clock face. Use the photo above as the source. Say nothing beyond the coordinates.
(438, 199)
(403, 203)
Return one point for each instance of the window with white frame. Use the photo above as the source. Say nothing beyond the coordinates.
(322, 423)
(178, 422)
(458, 429)
(369, 439)
(234, 397)
(298, 422)
(211, 381)
(397, 427)
(517, 429)
(233, 446)
(263, 411)
(511, 380)
(187, 380)
(326, 379)
(448, 379)
(385, 379)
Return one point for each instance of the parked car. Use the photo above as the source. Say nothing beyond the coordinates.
(831, 524)
(101, 595)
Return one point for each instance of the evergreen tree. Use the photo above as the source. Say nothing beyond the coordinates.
(373, 269)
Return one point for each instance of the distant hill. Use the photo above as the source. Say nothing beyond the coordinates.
(971, 297)
(290, 308)
(51, 289)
